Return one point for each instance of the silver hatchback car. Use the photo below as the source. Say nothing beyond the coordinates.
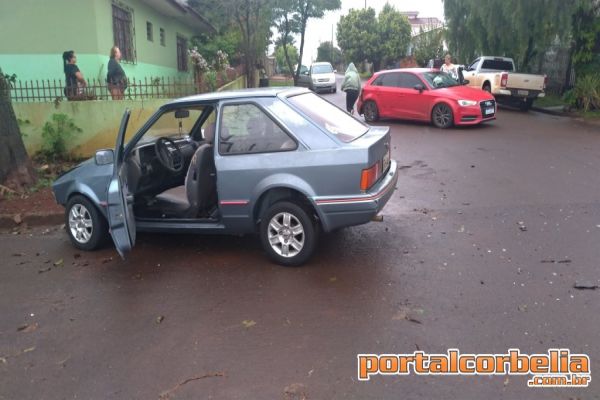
(281, 162)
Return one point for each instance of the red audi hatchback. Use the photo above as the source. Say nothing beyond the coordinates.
(425, 95)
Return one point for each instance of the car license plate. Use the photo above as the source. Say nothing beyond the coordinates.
(489, 111)
(386, 160)
(523, 92)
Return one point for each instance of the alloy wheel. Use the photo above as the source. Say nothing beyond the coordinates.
(80, 223)
(442, 115)
(286, 234)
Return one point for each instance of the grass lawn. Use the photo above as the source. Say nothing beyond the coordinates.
(551, 100)
(277, 82)
(595, 115)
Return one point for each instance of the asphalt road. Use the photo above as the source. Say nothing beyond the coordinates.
(479, 250)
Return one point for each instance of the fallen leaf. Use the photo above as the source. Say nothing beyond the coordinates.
(41, 271)
(160, 319)
(58, 263)
(295, 391)
(248, 323)
(333, 279)
(27, 328)
(29, 349)
(18, 219)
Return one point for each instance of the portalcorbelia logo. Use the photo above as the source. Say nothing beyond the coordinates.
(556, 368)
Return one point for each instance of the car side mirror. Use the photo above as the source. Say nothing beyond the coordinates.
(335, 71)
(419, 87)
(305, 73)
(104, 157)
(465, 82)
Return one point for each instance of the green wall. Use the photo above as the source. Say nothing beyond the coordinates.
(35, 51)
(98, 120)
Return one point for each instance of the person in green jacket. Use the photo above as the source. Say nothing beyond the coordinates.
(351, 86)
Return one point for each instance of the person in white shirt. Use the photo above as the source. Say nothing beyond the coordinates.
(448, 67)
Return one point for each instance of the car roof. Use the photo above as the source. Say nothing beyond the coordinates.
(413, 70)
(240, 94)
(321, 63)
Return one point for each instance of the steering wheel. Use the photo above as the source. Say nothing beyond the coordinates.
(169, 154)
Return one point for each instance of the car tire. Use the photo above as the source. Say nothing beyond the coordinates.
(370, 111)
(487, 87)
(526, 105)
(86, 226)
(442, 116)
(334, 90)
(283, 224)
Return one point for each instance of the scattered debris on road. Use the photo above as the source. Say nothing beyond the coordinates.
(583, 285)
(167, 393)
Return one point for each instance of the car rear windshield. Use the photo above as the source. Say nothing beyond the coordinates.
(321, 69)
(497, 65)
(329, 117)
(439, 80)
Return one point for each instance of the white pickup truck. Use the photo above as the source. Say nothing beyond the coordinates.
(497, 75)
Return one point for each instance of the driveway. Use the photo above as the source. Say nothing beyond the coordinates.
(480, 248)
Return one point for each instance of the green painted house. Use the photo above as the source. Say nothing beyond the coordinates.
(153, 36)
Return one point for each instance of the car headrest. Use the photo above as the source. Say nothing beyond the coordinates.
(209, 133)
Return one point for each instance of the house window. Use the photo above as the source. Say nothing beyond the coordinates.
(123, 32)
(149, 31)
(162, 37)
(182, 55)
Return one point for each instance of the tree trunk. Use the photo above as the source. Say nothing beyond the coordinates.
(16, 170)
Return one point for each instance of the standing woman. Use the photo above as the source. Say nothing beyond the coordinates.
(74, 81)
(116, 78)
(351, 86)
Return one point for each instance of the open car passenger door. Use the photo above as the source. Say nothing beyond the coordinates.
(121, 220)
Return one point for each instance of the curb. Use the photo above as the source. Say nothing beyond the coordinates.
(551, 112)
(7, 221)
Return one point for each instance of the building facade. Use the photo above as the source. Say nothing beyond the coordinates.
(153, 36)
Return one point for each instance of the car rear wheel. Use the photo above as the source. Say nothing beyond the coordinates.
(487, 87)
(288, 234)
(370, 111)
(526, 105)
(442, 116)
(87, 228)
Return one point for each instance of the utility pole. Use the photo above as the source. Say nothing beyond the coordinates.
(332, 45)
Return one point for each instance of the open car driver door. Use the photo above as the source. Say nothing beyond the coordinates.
(121, 220)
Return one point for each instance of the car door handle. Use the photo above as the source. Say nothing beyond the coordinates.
(129, 199)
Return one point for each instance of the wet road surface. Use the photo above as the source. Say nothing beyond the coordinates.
(479, 250)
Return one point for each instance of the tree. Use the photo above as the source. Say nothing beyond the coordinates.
(394, 32)
(428, 45)
(293, 15)
(253, 19)
(357, 35)
(520, 29)
(586, 38)
(327, 52)
(284, 61)
(16, 170)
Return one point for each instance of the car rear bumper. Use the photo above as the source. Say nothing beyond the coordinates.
(342, 211)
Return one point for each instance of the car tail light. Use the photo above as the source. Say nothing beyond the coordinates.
(545, 81)
(504, 79)
(369, 176)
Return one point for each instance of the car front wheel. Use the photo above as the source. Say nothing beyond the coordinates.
(370, 111)
(86, 227)
(288, 234)
(442, 116)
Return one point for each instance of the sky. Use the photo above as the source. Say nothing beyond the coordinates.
(320, 30)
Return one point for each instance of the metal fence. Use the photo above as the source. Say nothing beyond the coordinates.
(46, 90)
(147, 88)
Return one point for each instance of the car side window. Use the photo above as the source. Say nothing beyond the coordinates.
(245, 128)
(408, 81)
(473, 65)
(388, 80)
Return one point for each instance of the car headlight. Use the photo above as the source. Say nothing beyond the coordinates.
(466, 103)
